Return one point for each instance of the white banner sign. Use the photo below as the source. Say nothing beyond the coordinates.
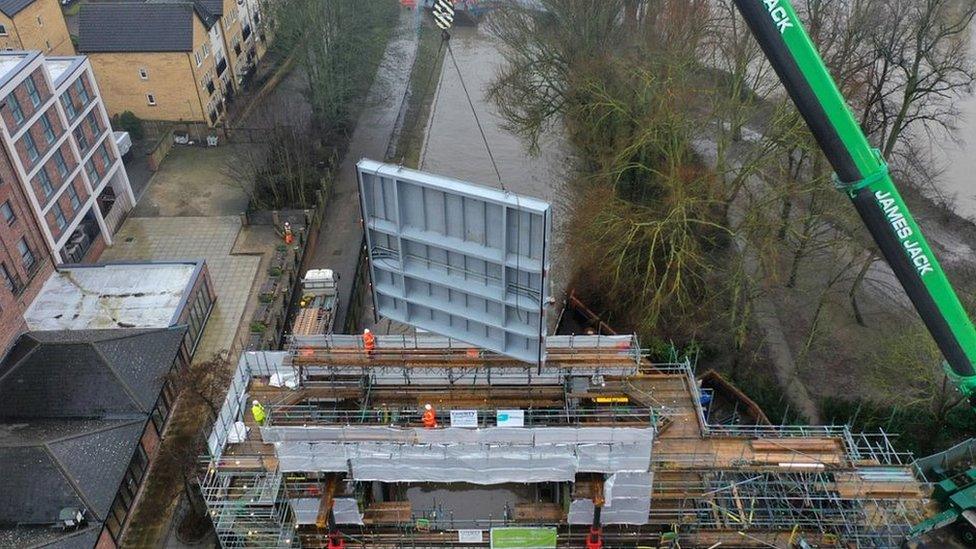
(471, 536)
(464, 418)
(510, 418)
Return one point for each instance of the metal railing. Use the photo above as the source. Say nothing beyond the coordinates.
(399, 347)
(308, 414)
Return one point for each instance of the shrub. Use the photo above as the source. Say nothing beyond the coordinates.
(129, 122)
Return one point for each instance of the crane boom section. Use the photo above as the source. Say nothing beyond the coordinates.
(863, 175)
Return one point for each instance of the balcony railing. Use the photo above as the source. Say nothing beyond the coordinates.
(221, 66)
(116, 214)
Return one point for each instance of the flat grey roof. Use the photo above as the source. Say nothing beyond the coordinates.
(139, 295)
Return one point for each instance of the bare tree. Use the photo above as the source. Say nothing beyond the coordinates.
(339, 44)
(544, 50)
(205, 382)
(922, 66)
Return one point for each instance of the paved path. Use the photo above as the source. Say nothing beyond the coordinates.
(340, 237)
(765, 311)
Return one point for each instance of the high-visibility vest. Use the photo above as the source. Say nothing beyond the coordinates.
(259, 413)
(369, 341)
(429, 419)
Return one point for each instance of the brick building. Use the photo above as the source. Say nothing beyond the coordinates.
(63, 188)
(34, 25)
(178, 61)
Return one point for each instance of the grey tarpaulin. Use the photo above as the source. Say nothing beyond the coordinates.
(345, 510)
(306, 509)
(627, 497)
(479, 456)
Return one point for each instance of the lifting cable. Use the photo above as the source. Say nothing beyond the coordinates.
(474, 112)
(501, 183)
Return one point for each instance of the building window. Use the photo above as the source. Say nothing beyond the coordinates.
(151, 99)
(39, 22)
(144, 74)
(59, 217)
(8, 212)
(61, 164)
(92, 172)
(82, 91)
(45, 180)
(206, 49)
(48, 129)
(106, 158)
(48, 44)
(93, 122)
(32, 153)
(26, 255)
(35, 96)
(69, 107)
(3, 30)
(73, 196)
(8, 280)
(82, 139)
(198, 58)
(15, 109)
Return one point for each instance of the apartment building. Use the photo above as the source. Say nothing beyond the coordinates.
(34, 25)
(25, 260)
(176, 61)
(64, 189)
(244, 36)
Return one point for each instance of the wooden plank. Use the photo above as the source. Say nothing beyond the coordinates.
(325, 505)
(388, 512)
(531, 512)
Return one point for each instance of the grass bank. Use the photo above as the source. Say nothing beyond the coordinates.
(424, 79)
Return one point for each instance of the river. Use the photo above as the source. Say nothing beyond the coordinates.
(454, 146)
(958, 156)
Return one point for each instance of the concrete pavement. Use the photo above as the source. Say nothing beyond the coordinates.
(341, 234)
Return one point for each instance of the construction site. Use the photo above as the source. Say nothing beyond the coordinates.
(523, 455)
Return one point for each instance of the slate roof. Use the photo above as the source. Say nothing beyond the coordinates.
(86, 373)
(83, 471)
(73, 406)
(11, 8)
(136, 27)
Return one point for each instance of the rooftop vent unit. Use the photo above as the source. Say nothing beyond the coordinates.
(71, 518)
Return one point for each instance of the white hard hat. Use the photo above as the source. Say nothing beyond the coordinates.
(427, 406)
(366, 331)
(256, 403)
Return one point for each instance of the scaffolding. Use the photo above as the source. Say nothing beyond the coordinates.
(247, 504)
(739, 485)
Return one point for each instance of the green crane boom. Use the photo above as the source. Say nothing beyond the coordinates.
(863, 175)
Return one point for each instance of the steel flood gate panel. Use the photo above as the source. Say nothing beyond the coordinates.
(457, 259)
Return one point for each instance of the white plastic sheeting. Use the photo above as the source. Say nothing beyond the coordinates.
(345, 510)
(306, 509)
(477, 456)
(473, 469)
(627, 496)
(237, 433)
